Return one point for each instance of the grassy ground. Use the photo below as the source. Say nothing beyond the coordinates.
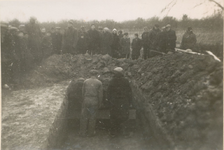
(28, 115)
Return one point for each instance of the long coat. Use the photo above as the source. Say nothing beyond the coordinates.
(70, 39)
(82, 45)
(46, 46)
(162, 42)
(34, 40)
(119, 92)
(106, 43)
(188, 41)
(115, 46)
(171, 40)
(145, 39)
(136, 46)
(125, 46)
(94, 41)
(56, 42)
(154, 38)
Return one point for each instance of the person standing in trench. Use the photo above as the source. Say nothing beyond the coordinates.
(75, 99)
(120, 99)
(93, 94)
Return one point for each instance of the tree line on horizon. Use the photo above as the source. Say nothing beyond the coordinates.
(214, 22)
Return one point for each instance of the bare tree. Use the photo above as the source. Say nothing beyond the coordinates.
(172, 3)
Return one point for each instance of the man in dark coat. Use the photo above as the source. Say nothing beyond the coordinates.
(75, 99)
(7, 47)
(106, 41)
(82, 45)
(17, 56)
(120, 99)
(100, 29)
(189, 40)
(115, 46)
(70, 39)
(154, 39)
(120, 34)
(34, 40)
(125, 46)
(162, 41)
(145, 43)
(25, 55)
(46, 45)
(56, 41)
(94, 40)
(136, 47)
(170, 39)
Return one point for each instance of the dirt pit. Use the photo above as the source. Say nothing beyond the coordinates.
(178, 95)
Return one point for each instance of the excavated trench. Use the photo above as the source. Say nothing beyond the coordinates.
(145, 131)
(177, 105)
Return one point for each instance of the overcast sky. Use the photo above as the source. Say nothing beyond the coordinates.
(118, 10)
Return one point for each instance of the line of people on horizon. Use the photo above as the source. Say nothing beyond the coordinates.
(28, 45)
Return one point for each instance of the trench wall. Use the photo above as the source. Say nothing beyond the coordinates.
(58, 129)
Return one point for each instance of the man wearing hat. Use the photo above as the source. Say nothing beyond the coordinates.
(56, 40)
(189, 40)
(162, 40)
(94, 40)
(136, 46)
(125, 46)
(70, 39)
(170, 39)
(145, 42)
(120, 99)
(6, 54)
(34, 40)
(92, 99)
(115, 46)
(154, 39)
(106, 41)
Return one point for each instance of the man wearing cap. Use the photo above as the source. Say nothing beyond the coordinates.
(46, 45)
(162, 40)
(75, 99)
(125, 46)
(25, 56)
(34, 40)
(120, 34)
(56, 40)
(6, 54)
(82, 45)
(94, 40)
(189, 40)
(145, 42)
(107, 41)
(136, 46)
(170, 39)
(120, 99)
(154, 39)
(92, 99)
(100, 29)
(70, 39)
(115, 46)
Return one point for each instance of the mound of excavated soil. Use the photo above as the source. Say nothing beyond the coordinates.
(184, 90)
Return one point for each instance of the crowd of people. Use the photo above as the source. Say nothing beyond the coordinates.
(28, 45)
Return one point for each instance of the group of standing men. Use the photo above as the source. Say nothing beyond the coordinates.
(88, 95)
(28, 45)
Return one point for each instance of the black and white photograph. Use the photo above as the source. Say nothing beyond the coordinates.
(111, 74)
